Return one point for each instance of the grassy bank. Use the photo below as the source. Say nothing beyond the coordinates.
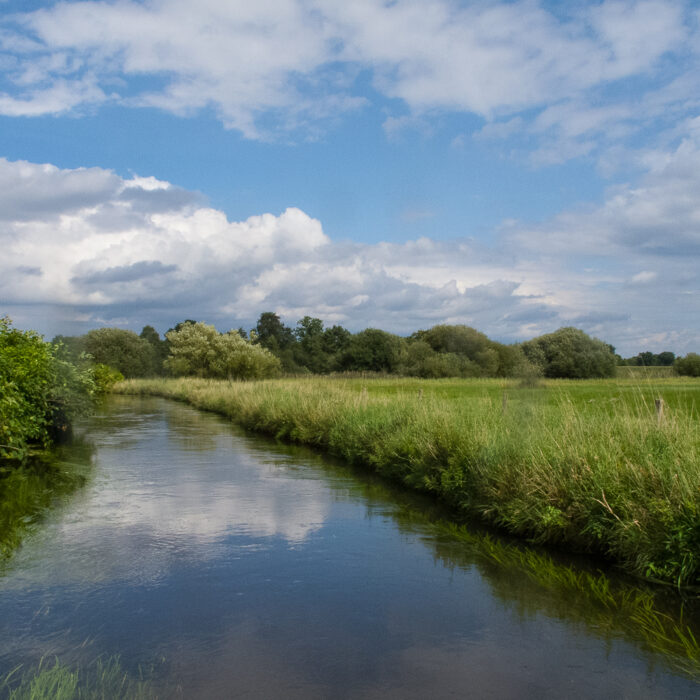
(588, 466)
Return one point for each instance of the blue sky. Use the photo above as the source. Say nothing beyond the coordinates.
(513, 166)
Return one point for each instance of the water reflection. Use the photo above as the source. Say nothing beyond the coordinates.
(272, 572)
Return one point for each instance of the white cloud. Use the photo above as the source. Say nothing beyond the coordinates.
(291, 63)
(87, 247)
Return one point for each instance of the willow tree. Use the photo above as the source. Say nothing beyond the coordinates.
(199, 350)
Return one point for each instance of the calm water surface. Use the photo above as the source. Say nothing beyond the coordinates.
(240, 568)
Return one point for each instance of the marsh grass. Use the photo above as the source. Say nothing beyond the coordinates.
(586, 466)
(50, 679)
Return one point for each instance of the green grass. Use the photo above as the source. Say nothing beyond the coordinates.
(585, 466)
(632, 372)
(52, 680)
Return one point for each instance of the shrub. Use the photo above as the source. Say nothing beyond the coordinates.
(569, 353)
(40, 393)
(105, 378)
(122, 350)
(199, 350)
(688, 365)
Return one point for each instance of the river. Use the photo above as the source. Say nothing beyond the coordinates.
(235, 567)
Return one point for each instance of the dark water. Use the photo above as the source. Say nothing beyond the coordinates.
(238, 568)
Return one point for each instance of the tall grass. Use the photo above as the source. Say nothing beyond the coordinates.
(601, 475)
(52, 680)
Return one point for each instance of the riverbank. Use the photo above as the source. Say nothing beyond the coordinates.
(586, 466)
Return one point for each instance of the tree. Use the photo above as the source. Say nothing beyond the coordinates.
(336, 339)
(40, 393)
(272, 333)
(666, 358)
(688, 366)
(198, 349)
(310, 351)
(160, 347)
(121, 350)
(570, 353)
(373, 350)
(485, 357)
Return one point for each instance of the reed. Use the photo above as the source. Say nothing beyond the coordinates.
(53, 680)
(587, 466)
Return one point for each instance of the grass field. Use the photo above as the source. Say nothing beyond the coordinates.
(585, 465)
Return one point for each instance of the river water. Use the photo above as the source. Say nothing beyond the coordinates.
(235, 567)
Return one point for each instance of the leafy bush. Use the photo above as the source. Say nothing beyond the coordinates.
(688, 365)
(199, 350)
(569, 353)
(105, 378)
(122, 350)
(40, 393)
(465, 352)
(373, 350)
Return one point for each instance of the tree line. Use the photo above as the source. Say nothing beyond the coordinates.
(44, 386)
(193, 348)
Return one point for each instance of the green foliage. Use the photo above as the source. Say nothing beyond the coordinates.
(688, 366)
(570, 353)
(272, 333)
(198, 349)
(41, 392)
(649, 359)
(160, 347)
(105, 378)
(122, 350)
(373, 350)
(461, 351)
(307, 348)
(26, 380)
(422, 361)
(101, 679)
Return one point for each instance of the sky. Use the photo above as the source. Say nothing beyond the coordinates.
(513, 166)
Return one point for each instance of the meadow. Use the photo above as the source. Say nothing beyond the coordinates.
(588, 466)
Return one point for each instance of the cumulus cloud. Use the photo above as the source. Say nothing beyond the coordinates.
(270, 66)
(100, 249)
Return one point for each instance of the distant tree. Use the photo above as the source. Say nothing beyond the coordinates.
(688, 366)
(336, 339)
(272, 333)
(160, 348)
(511, 361)
(649, 359)
(486, 357)
(666, 358)
(122, 350)
(420, 360)
(198, 349)
(373, 350)
(310, 352)
(570, 353)
(179, 326)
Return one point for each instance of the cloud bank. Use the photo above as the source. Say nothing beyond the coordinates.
(83, 248)
(272, 67)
